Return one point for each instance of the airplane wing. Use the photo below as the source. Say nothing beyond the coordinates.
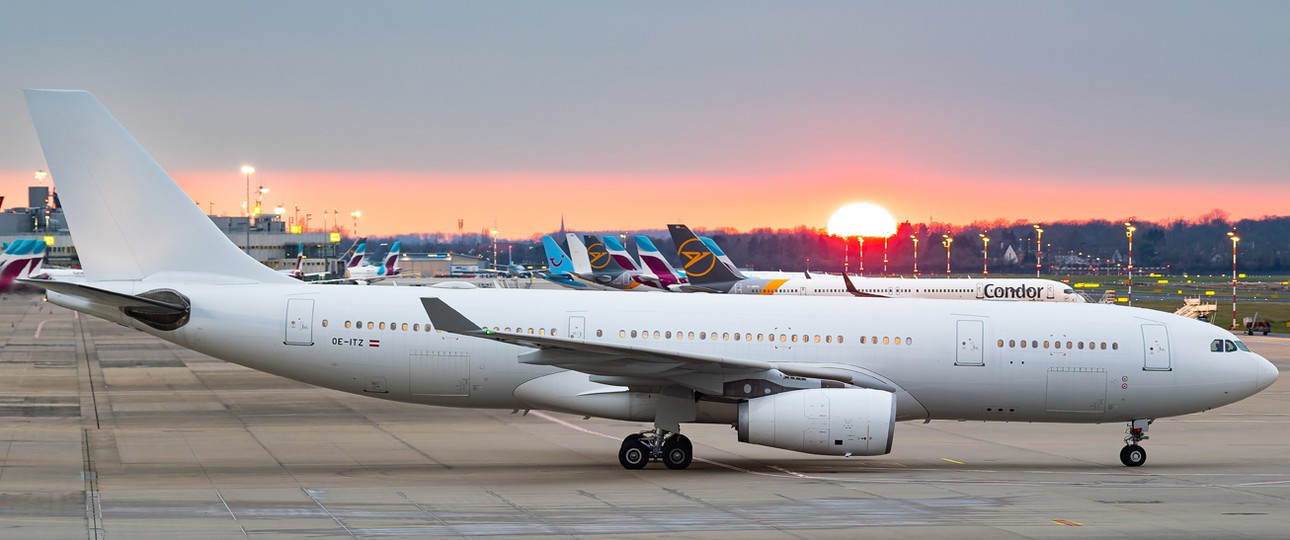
(599, 359)
(626, 365)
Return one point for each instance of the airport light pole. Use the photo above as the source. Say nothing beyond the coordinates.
(1039, 249)
(494, 235)
(914, 237)
(246, 205)
(884, 255)
(1232, 235)
(946, 241)
(1128, 231)
(860, 240)
(985, 255)
(356, 214)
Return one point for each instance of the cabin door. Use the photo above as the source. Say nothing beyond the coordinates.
(970, 344)
(1155, 348)
(300, 326)
(576, 325)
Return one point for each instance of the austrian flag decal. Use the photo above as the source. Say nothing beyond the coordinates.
(373, 343)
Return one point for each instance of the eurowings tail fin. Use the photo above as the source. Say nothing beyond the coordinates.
(391, 266)
(356, 260)
(619, 253)
(115, 195)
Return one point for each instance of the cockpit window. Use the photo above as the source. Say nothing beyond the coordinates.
(1216, 346)
(1242, 346)
(1231, 347)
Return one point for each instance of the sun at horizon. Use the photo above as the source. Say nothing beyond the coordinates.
(862, 219)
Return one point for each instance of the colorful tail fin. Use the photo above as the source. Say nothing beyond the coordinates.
(620, 254)
(653, 259)
(700, 263)
(391, 266)
(557, 262)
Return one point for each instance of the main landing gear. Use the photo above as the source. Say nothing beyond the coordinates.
(1133, 455)
(673, 449)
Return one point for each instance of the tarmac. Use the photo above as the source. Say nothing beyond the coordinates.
(109, 433)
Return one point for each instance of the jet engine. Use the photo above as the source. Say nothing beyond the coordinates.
(828, 421)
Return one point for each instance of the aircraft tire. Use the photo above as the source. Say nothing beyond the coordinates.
(634, 453)
(678, 452)
(1133, 455)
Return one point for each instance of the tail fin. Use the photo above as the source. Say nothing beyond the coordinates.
(578, 254)
(619, 254)
(391, 266)
(556, 260)
(114, 195)
(653, 259)
(360, 253)
(598, 256)
(698, 260)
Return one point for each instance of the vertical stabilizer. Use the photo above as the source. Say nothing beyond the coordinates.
(128, 217)
(700, 263)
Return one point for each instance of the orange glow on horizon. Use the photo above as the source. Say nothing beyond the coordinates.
(522, 205)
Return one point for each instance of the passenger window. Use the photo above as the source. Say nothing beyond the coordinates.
(668, 334)
(1001, 344)
(909, 341)
(1012, 343)
(1081, 345)
(633, 333)
(691, 335)
(898, 342)
(1034, 344)
(886, 340)
(347, 325)
(655, 334)
(747, 337)
(622, 333)
(324, 323)
(541, 331)
(794, 338)
(1023, 343)
(817, 338)
(839, 339)
(369, 325)
(600, 333)
(703, 336)
(737, 336)
(417, 327)
(404, 327)
(1057, 344)
(828, 339)
(864, 339)
(1115, 345)
(783, 338)
(1068, 344)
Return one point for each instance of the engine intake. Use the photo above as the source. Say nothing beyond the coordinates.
(826, 421)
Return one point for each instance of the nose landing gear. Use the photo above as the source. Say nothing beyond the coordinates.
(673, 449)
(1133, 455)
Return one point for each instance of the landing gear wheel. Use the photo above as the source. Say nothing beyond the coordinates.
(678, 452)
(1133, 456)
(634, 452)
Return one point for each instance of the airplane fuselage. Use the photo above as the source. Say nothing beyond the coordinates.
(947, 360)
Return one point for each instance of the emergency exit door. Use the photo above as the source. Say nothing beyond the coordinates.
(970, 344)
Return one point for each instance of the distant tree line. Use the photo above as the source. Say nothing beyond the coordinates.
(1199, 245)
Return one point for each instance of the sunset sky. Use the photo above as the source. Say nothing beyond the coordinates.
(718, 114)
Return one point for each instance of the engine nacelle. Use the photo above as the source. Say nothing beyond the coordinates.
(828, 421)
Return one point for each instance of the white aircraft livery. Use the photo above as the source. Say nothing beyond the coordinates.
(823, 375)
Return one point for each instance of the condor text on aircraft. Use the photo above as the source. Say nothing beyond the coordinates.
(705, 265)
(821, 375)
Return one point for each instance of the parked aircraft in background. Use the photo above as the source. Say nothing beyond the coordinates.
(365, 274)
(559, 266)
(819, 375)
(595, 267)
(705, 268)
(297, 271)
(22, 258)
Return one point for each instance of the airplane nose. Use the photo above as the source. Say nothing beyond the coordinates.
(1268, 374)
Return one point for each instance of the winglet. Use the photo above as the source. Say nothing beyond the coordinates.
(446, 319)
(851, 288)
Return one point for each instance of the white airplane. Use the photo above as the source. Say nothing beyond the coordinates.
(821, 375)
(707, 266)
